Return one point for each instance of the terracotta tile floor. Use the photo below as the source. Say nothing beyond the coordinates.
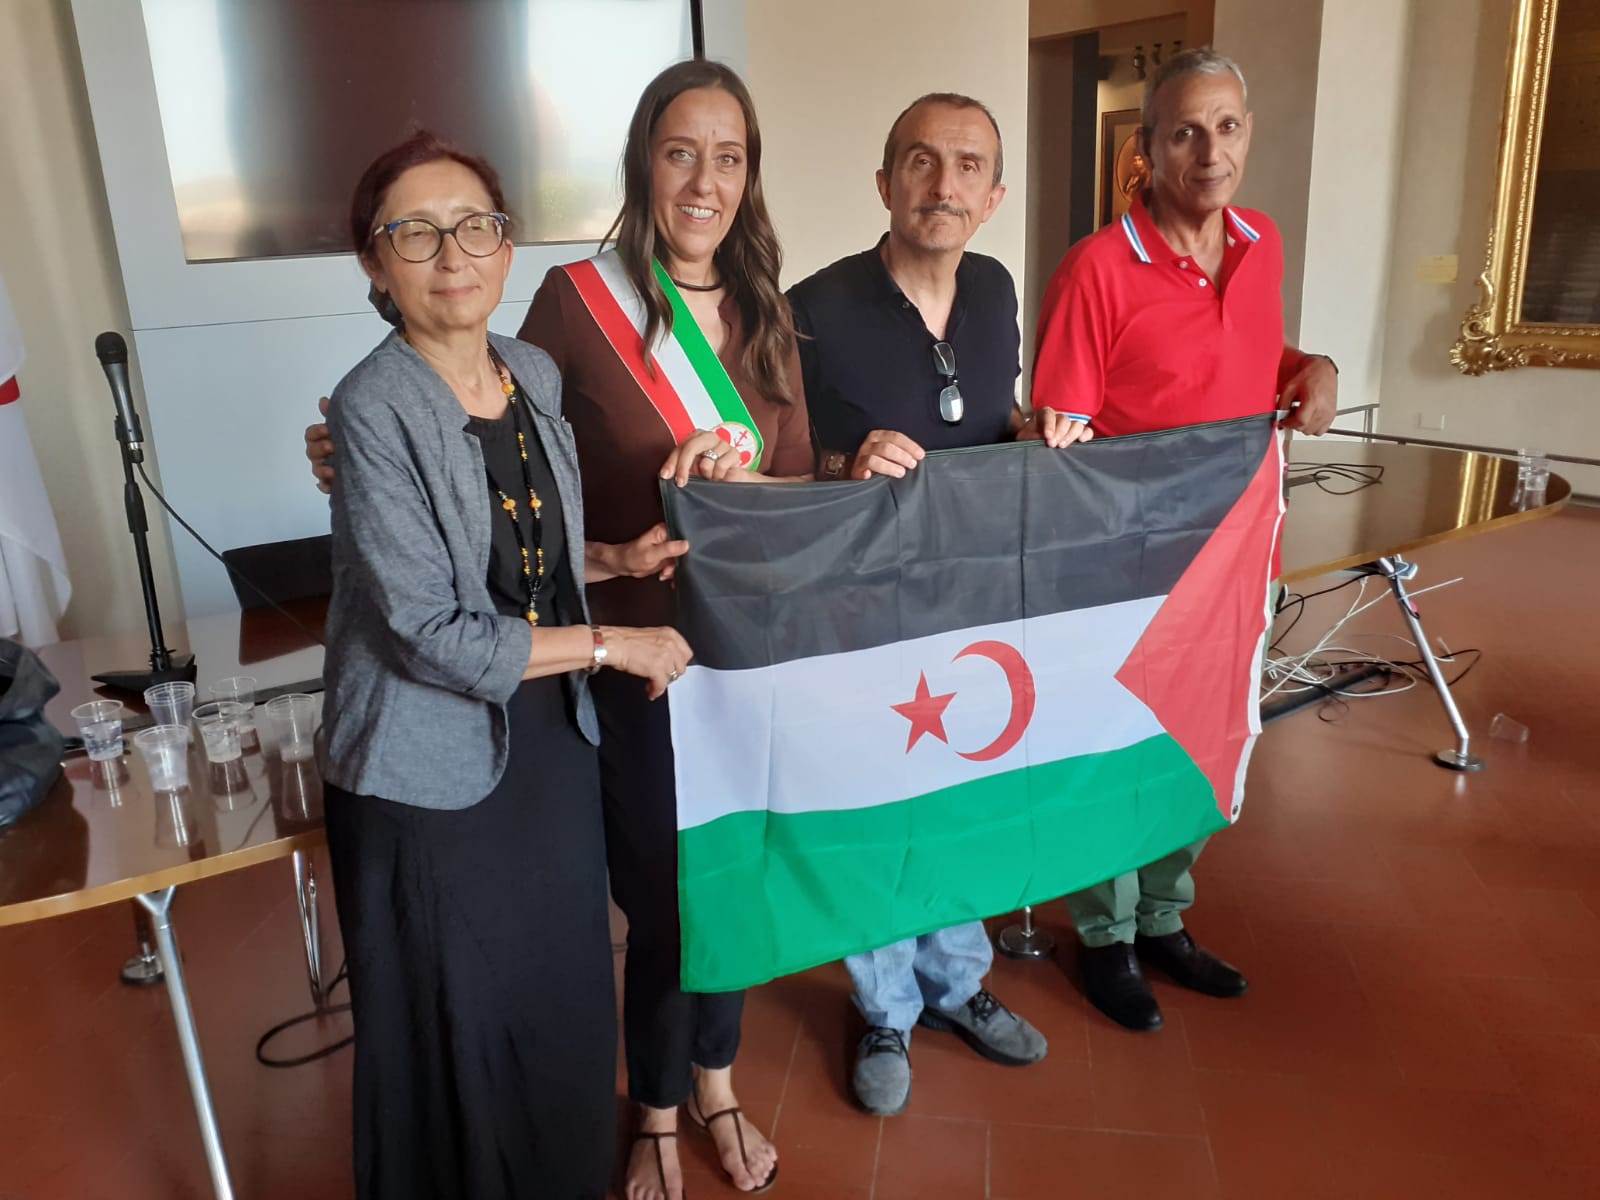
(1424, 1019)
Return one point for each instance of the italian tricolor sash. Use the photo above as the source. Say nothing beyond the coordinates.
(682, 376)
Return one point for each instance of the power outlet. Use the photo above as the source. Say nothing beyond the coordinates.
(1430, 420)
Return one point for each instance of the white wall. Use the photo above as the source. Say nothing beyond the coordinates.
(1355, 175)
(829, 76)
(1455, 78)
(60, 268)
(1276, 46)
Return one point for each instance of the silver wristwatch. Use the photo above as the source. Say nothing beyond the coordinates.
(600, 650)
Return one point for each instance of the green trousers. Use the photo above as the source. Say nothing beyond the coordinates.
(1149, 901)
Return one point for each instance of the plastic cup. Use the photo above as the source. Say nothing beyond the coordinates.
(1508, 729)
(241, 689)
(294, 723)
(1533, 477)
(100, 727)
(300, 794)
(230, 786)
(221, 725)
(171, 703)
(165, 749)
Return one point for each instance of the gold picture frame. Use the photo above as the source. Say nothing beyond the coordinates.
(1539, 156)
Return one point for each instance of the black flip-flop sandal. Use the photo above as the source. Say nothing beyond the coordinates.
(704, 1122)
(661, 1163)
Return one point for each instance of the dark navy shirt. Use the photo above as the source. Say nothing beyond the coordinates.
(867, 358)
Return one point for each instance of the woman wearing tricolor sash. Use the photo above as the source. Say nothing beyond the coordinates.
(694, 276)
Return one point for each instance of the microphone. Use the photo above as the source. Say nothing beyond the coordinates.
(165, 666)
(112, 352)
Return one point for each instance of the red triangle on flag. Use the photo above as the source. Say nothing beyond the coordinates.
(1204, 693)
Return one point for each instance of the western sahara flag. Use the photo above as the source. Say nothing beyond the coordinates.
(1010, 675)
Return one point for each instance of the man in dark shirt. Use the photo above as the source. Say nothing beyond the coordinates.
(908, 347)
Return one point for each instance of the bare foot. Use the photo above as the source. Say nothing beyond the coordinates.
(713, 1093)
(650, 1177)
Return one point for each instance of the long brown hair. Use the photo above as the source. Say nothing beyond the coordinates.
(749, 258)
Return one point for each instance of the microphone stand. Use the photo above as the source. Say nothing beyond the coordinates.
(165, 666)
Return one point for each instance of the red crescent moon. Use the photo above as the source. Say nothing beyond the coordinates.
(1009, 659)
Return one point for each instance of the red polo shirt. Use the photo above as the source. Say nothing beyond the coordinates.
(1133, 337)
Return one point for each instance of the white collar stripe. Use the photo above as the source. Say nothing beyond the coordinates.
(1133, 237)
(1243, 227)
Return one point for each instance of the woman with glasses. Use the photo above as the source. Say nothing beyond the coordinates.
(694, 276)
(463, 815)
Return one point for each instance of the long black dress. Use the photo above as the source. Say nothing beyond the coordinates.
(479, 944)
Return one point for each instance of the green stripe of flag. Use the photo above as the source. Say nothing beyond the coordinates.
(729, 404)
(840, 878)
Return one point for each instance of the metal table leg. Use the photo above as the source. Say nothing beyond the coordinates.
(305, 893)
(1396, 570)
(144, 968)
(159, 906)
(1024, 941)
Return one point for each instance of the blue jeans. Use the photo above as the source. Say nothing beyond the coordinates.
(939, 970)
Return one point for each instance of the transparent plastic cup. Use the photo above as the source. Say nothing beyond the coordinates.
(1508, 729)
(1533, 473)
(100, 727)
(230, 786)
(165, 749)
(221, 725)
(241, 689)
(171, 703)
(294, 724)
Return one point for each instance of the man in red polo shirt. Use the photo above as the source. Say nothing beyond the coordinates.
(1171, 316)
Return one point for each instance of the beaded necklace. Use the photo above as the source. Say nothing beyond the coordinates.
(531, 544)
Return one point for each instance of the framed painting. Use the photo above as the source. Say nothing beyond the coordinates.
(1123, 170)
(1540, 287)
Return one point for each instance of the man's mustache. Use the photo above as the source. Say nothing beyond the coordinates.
(949, 210)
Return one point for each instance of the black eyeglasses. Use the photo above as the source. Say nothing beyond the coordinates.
(418, 241)
(951, 406)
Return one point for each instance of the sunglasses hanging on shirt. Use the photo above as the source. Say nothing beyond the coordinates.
(951, 406)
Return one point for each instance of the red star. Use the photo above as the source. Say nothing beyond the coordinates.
(925, 712)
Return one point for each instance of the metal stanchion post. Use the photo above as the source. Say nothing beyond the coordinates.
(1024, 941)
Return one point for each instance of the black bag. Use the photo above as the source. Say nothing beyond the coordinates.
(30, 747)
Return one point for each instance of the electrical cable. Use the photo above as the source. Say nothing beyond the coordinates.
(1359, 475)
(1311, 669)
(232, 570)
(342, 975)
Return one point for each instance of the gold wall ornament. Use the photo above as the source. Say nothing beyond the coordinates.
(1540, 302)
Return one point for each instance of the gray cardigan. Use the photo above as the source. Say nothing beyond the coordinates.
(419, 664)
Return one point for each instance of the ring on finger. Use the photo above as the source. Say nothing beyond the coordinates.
(673, 676)
(713, 455)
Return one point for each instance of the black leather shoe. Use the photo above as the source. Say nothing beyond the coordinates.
(1117, 986)
(1191, 965)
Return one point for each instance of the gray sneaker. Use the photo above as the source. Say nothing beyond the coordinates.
(991, 1029)
(882, 1078)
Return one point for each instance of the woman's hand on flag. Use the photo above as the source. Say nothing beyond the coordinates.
(706, 454)
(653, 552)
(656, 654)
